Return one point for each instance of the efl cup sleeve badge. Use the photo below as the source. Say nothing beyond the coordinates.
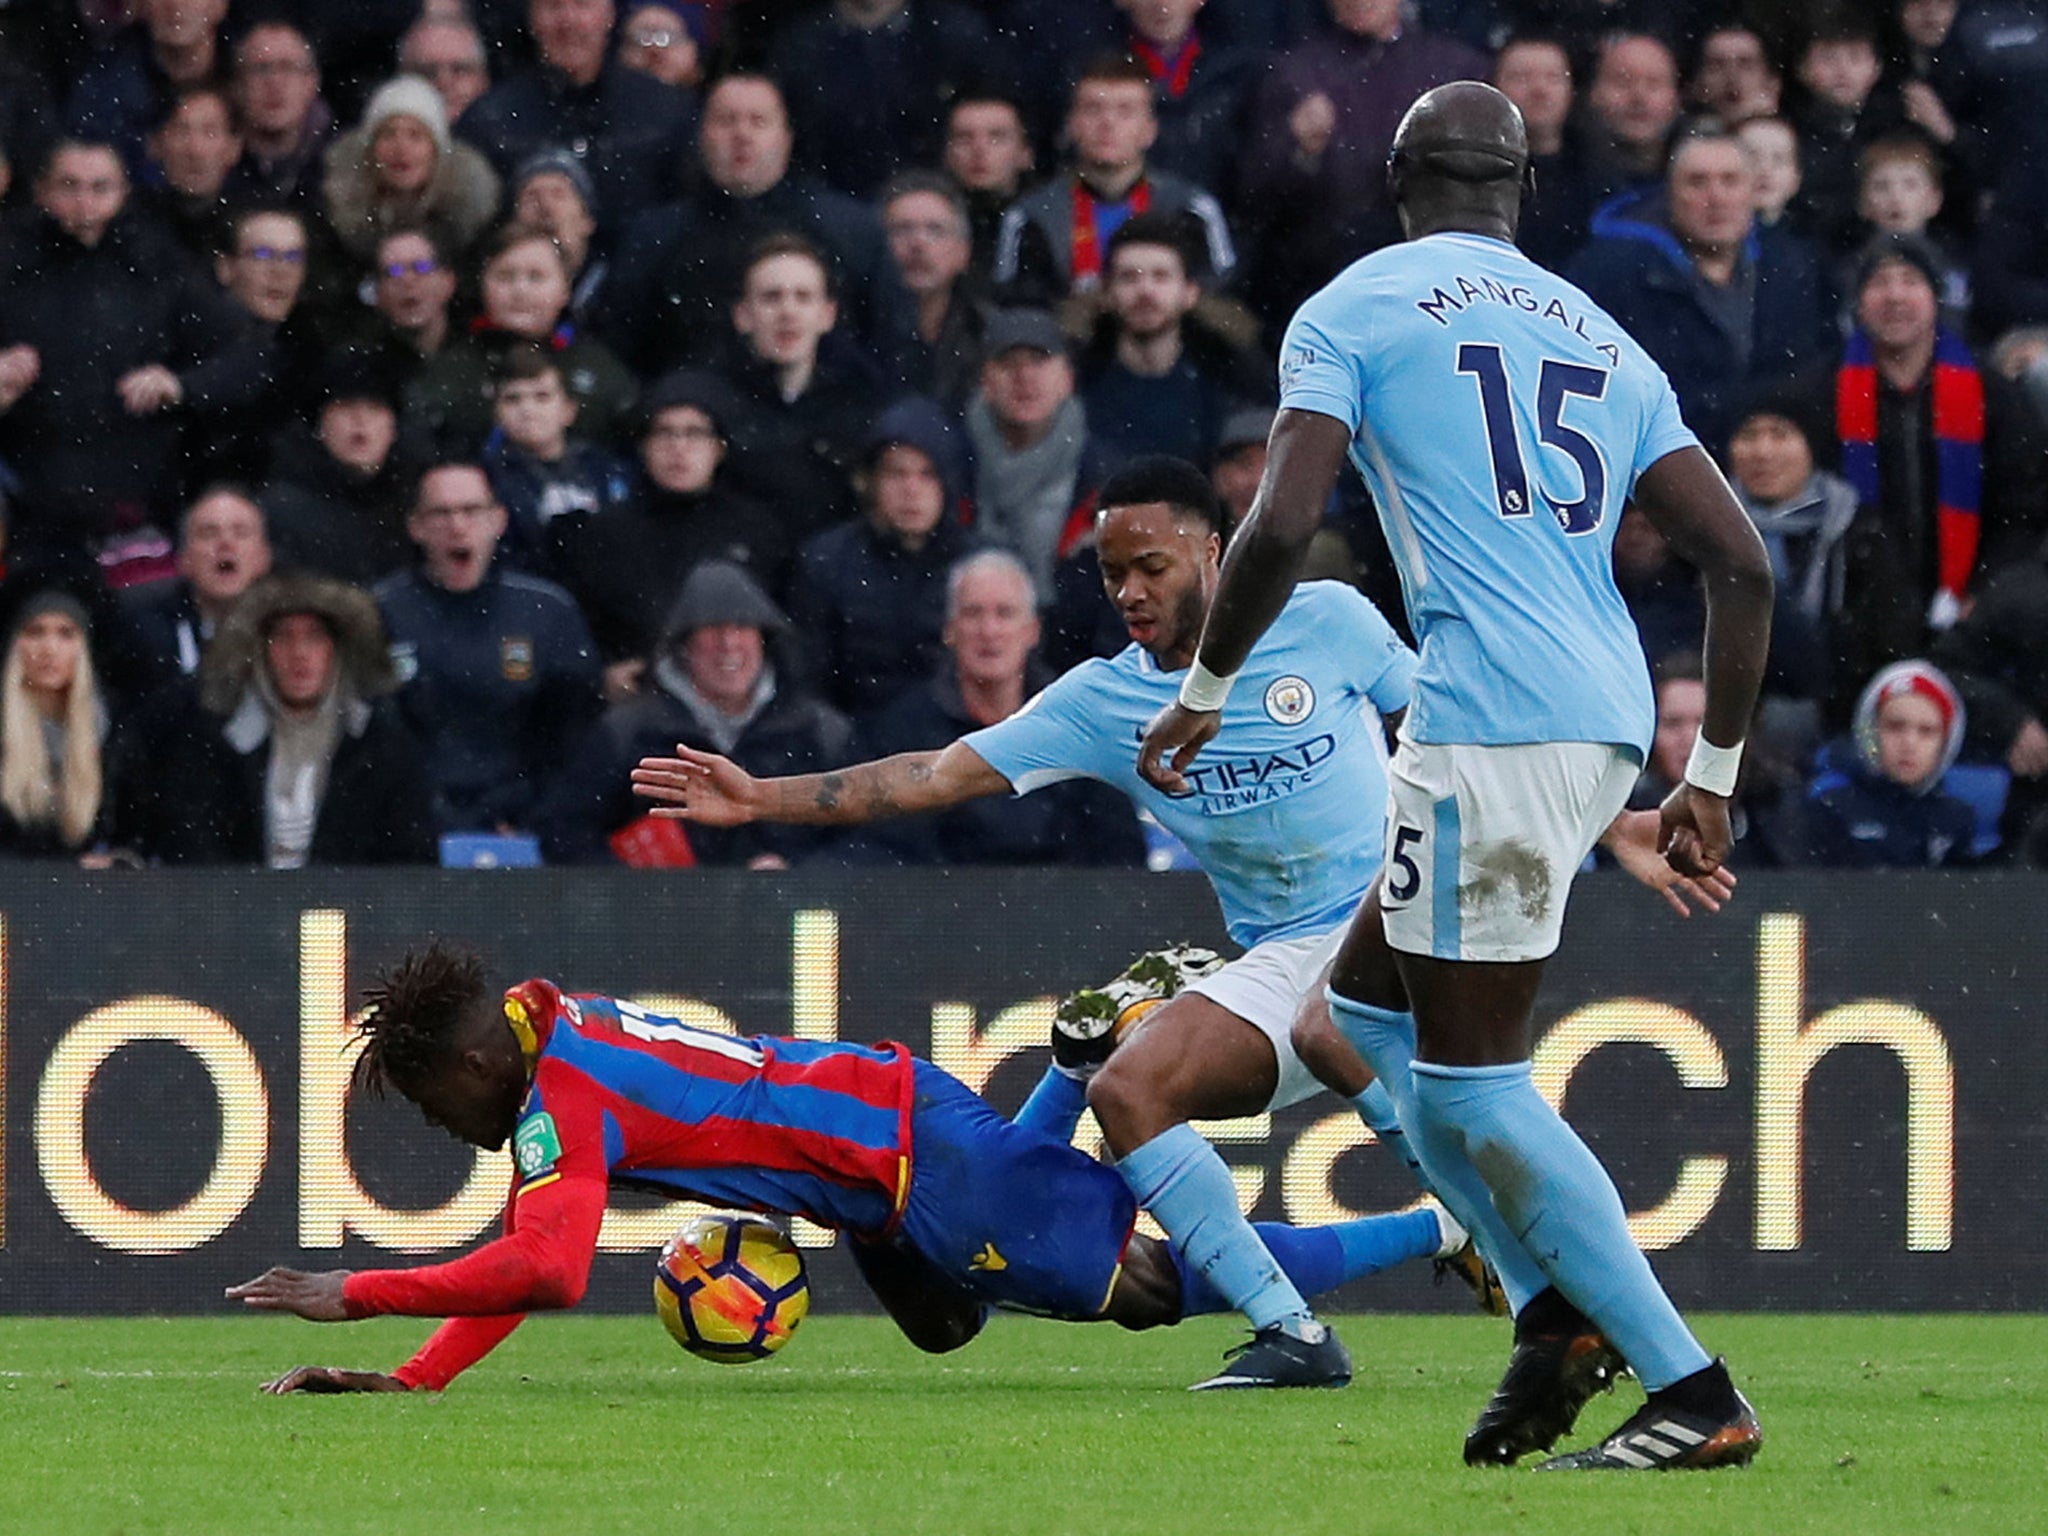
(1290, 699)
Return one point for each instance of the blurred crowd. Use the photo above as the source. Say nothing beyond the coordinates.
(412, 412)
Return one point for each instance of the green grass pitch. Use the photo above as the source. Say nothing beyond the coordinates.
(598, 1424)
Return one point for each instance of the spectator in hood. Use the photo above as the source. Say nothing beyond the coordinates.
(869, 596)
(290, 753)
(400, 169)
(717, 682)
(1998, 657)
(1878, 802)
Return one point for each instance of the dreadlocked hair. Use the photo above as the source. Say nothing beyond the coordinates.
(411, 1013)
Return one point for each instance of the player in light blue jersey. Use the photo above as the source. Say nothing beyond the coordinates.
(1501, 420)
(1273, 820)
(1272, 823)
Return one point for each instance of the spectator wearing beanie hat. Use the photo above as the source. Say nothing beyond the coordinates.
(553, 191)
(1878, 802)
(53, 728)
(399, 169)
(1909, 413)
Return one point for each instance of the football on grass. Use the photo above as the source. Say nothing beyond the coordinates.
(731, 1287)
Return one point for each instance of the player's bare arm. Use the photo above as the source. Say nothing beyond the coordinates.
(1259, 571)
(704, 787)
(1690, 503)
(314, 1295)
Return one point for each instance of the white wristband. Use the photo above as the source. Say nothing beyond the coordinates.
(1713, 768)
(1202, 690)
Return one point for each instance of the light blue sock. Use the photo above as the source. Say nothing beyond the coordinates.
(1375, 1107)
(1387, 1042)
(1055, 1105)
(1319, 1259)
(1183, 1182)
(1553, 1191)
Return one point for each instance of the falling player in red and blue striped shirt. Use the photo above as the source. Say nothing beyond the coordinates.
(950, 1207)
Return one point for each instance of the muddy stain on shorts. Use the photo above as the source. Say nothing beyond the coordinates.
(1507, 871)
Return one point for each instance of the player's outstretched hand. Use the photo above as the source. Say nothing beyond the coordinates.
(1632, 839)
(315, 1296)
(699, 786)
(1695, 834)
(332, 1378)
(1173, 738)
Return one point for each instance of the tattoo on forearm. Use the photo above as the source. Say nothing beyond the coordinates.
(829, 787)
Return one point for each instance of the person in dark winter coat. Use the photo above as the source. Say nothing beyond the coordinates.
(108, 335)
(1998, 657)
(680, 264)
(713, 684)
(525, 286)
(629, 130)
(1718, 303)
(1054, 241)
(400, 169)
(498, 673)
(626, 565)
(288, 753)
(869, 596)
(223, 549)
(551, 480)
(868, 83)
(810, 396)
(338, 492)
(1877, 802)
(988, 673)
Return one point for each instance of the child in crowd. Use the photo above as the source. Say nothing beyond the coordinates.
(1899, 192)
(550, 481)
(1772, 148)
(1877, 802)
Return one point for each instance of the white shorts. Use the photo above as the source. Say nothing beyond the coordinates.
(1266, 987)
(1482, 843)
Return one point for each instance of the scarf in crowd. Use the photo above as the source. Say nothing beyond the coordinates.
(1024, 500)
(1958, 443)
(1089, 239)
(1170, 75)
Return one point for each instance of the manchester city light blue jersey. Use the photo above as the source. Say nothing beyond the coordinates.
(1286, 812)
(1500, 419)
